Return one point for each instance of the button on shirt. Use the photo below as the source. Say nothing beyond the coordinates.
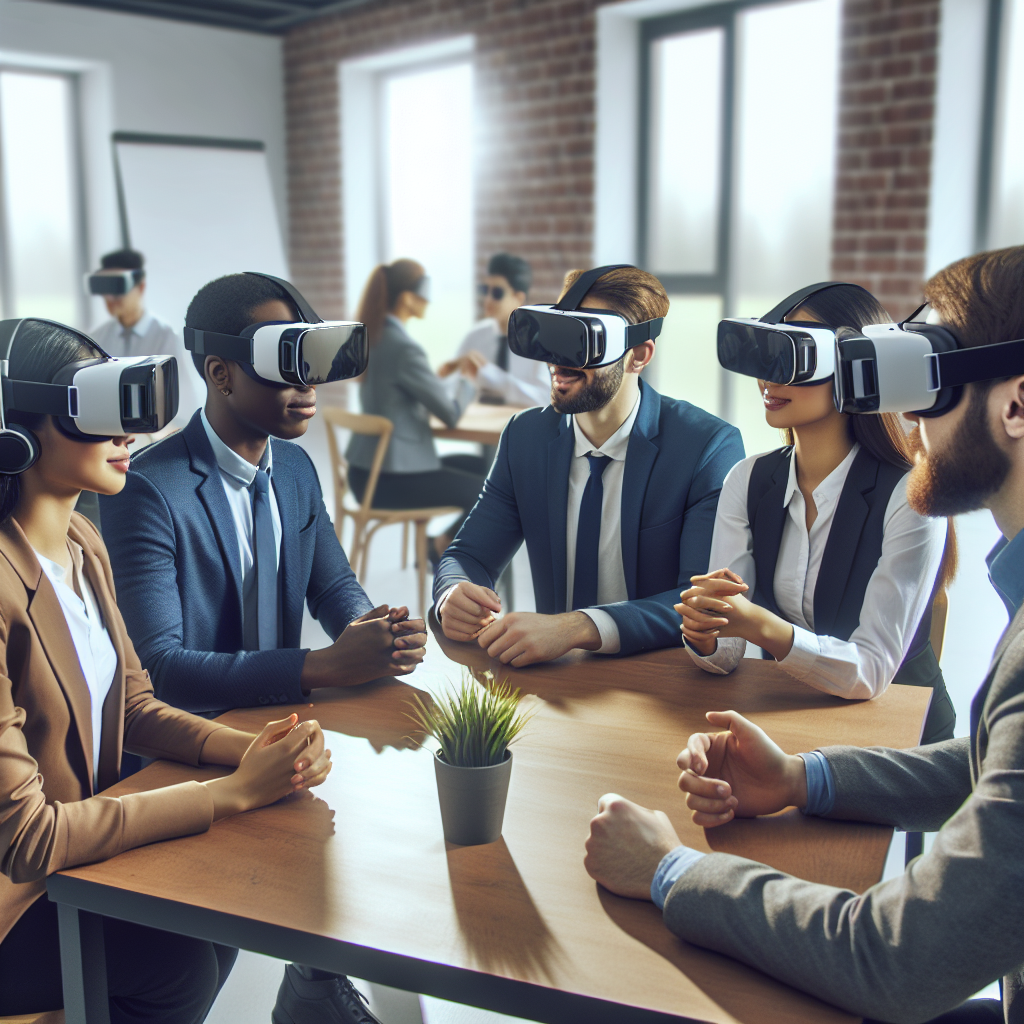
(96, 654)
(895, 601)
(611, 578)
(237, 475)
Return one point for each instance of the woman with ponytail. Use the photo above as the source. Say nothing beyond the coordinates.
(818, 558)
(400, 385)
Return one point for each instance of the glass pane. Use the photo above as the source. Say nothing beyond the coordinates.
(428, 194)
(40, 209)
(685, 364)
(786, 93)
(685, 152)
(1006, 220)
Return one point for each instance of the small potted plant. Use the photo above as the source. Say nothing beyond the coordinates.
(473, 726)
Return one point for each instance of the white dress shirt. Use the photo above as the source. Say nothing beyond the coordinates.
(526, 382)
(611, 577)
(152, 337)
(96, 654)
(237, 475)
(895, 601)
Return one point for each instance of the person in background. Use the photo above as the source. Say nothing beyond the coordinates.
(505, 378)
(400, 385)
(788, 522)
(614, 489)
(73, 696)
(915, 947)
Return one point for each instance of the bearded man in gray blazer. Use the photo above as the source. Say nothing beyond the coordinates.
(913, 948)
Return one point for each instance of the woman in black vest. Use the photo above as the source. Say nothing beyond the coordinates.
(818, 558)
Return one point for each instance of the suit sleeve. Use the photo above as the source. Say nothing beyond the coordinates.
(420, 383)
(491, 533)
(907, 949)
(142, 543)
(651, 623)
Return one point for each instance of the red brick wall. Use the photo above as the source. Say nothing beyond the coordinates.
(535, 107)
(886, 112)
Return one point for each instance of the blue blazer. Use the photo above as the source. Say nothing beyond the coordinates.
(677, 458)
(174, 552)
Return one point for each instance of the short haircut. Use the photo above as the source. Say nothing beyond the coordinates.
(228, 305)
(514, 269)
(123, 259)
(628, 291)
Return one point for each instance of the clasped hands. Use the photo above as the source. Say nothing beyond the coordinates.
(737, 773)
(470, 612)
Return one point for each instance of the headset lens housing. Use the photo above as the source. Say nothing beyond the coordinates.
(112, 282)
(323, 354)
(757, 352)
(149, 396)
(556, 338)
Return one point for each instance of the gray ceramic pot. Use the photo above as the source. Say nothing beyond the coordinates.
(472, 800)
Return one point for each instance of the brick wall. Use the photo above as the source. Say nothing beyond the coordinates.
(535, 83)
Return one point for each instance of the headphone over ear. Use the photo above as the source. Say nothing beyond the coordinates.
(19, 449)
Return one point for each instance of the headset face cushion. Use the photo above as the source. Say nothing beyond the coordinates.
(19, 449)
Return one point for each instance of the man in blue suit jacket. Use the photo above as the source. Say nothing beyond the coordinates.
(660, 493)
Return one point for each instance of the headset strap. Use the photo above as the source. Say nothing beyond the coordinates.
(9, 331)
(304, 308)
(798, 298)
(210, 343)
(972, 365)
(637, 334)
(48, 399)
(577, 292)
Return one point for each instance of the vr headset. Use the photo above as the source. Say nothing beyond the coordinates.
(288, 354)
(91, 399)
(113, 282)
(564, 335)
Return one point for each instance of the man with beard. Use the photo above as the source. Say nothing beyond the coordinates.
(915, 947)
(614, 489)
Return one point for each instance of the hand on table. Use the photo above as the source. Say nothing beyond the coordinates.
(468, 365)
(409, 634)
(466, 609)
(524, 638)
(740, 773)
(270, 768)
(626, 845)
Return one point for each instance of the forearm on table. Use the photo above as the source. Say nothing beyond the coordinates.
(226, 746)
(648, 623)
(855, 669)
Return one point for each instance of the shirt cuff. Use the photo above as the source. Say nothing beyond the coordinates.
(673, 866)
(727, 654)
(608, 629)
(821, 784)
(804, 653)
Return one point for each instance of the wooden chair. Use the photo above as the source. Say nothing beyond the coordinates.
(940, 609)
(367, 520)
(48, 1017)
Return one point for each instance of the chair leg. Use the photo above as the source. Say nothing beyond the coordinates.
(405, 543)
(421, 564)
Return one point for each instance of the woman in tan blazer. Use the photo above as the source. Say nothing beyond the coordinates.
(73, 696)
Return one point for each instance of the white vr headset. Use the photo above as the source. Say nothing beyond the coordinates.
(564, 335)
(91, 399)
(113, 282)
(288, 354)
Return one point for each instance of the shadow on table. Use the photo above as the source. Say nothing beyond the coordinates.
(500, 924)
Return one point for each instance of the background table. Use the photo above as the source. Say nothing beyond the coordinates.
(480, 422)
(356, 877)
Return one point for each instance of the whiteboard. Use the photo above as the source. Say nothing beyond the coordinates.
(197, 212)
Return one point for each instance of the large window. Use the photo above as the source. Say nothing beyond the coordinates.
(41, 251)
(738, 126)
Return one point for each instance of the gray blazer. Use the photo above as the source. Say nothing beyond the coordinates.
(400, 385)
(918, 945)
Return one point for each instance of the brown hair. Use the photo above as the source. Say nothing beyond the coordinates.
(635, 294)
(380, 296)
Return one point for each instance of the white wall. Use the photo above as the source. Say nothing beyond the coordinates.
(150, 75)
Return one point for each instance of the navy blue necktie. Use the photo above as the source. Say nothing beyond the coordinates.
(264, 549)
(588, 535)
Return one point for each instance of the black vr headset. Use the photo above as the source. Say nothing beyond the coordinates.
(91, 399)
(564, 335)
(288, 354)
(113, 282)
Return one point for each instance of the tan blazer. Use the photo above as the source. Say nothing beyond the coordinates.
(49, 816)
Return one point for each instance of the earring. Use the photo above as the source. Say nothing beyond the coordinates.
(225, 391)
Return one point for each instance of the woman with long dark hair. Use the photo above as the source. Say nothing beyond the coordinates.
(400, 385)
(73, 696)
(817, 557)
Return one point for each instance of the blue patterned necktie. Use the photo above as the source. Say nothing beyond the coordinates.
(264, 550)
(588, 535)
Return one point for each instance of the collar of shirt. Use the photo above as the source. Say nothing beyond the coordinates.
(616, 445)
(231, 463)
(1006, 571)
(827, 493)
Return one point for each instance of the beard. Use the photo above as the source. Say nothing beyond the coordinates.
(965, 472)
(596, 394)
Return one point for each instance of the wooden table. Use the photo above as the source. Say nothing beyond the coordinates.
(358, 879)
(480, 422)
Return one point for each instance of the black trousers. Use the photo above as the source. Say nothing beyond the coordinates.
(975, 1011)
(153, 977)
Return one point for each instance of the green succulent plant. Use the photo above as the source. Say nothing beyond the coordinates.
(474, 724)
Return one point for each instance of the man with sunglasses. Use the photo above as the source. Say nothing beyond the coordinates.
(503, 377)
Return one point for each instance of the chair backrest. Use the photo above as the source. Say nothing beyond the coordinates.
(358, 423)
(940, 609)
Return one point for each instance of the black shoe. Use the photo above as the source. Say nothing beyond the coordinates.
(333, 1000)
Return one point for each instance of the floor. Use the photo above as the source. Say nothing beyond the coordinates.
(976, 619)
